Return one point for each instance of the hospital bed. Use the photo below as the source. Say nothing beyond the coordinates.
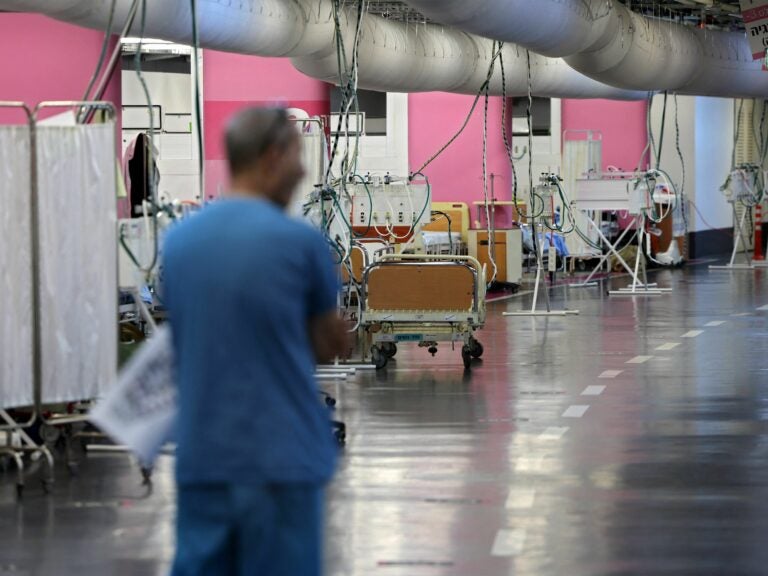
(448, 231)
(424, 299)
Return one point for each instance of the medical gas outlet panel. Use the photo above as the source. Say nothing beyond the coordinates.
(394, 211)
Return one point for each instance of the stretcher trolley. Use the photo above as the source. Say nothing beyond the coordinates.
(424, 299)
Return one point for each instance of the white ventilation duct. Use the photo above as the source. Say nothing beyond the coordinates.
(257, 27)
(394, 56)
(399, 57)
(608, 42)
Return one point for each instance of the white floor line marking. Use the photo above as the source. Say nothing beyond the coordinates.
(639, 360)
(714, 323)
(529, 464)
(509, 542)
(575, 411)
(742, 314)
(593, 390)
(669, 346)
(693, 334)
(521, 499)
(763, 308)
(610, 373)
(553, 433)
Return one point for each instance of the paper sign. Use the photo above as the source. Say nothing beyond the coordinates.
(755, 13)
(139, 411)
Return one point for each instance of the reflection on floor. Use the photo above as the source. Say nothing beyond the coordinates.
(631, 439)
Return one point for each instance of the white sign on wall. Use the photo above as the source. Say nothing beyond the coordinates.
(755, 13)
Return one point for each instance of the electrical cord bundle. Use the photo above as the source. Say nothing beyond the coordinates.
(335, 188)
(348, 80)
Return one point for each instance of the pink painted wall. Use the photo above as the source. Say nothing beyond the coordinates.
(232, 82)
(44, 59)
(622, 125)
(456, 175)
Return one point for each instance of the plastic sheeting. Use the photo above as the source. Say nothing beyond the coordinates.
(78, 265)
(15, 268)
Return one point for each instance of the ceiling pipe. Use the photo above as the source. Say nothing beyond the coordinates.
(606, 41)
(400, 57)
(394, 56)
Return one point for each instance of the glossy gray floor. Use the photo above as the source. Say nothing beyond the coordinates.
(631, 439)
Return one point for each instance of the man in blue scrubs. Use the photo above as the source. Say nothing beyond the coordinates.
(252, 301)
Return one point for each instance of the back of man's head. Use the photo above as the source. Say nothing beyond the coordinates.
(253, 131)
(264, 154)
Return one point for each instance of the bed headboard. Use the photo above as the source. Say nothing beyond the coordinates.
(458, 212)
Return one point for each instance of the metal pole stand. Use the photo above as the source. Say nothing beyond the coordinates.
(611, 250)
(539, 280)
(738, 237)
(638, 287)
(18, 442)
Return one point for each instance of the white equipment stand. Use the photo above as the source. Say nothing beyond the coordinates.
(536, 229)
(738, 237)
(615, 191)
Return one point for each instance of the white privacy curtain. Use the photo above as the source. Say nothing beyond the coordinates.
(78, 264)
(581, 157)
(15, 268)
(313, 156)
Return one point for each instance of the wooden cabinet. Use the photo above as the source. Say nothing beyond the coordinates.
(509, 253)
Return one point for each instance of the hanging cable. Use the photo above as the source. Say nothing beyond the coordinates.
(348, 90)
(464, 125)
(504, 134)
(683, 200)
(86, 114)
(661, 133)
(195, 65)
(529, 119)
(103, 54)
(151, 202)
(488, 219)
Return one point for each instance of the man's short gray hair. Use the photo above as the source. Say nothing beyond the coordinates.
(251, 132)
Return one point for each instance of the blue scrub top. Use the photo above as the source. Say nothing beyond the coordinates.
(242, 281)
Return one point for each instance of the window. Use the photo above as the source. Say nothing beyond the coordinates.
(373, 105)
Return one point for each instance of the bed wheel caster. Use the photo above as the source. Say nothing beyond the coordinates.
(379, 357)
(432, 350)
(466, 356)
(340, 433)
(146, 476)
(389, 349)
(47, 485)
(476, 348)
